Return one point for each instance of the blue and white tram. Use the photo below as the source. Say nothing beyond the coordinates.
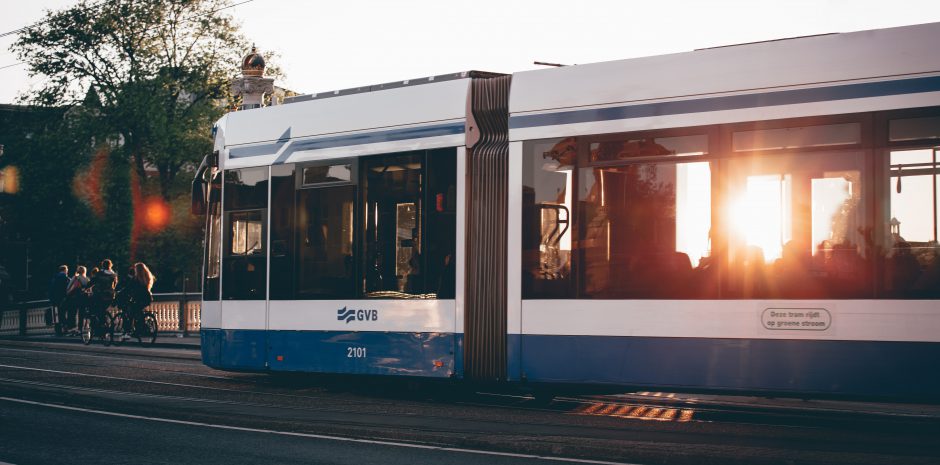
(332, 241)
(760, 217)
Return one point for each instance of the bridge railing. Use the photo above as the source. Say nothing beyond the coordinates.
(176, 313)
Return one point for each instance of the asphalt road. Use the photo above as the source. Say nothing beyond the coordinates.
(40, 434)
(64, 403)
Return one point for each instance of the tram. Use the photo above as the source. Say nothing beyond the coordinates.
(759, 217)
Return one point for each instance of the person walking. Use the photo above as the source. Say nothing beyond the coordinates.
(57, 287)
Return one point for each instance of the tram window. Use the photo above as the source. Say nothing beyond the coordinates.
(246, 188)
(913, 256)
(649, 147)
(327, 173)
(908, 129)
(798, 228)
(547, 190)
(325, 266)
(394, 264)
(440, 231)
(246, 233)
(282, 231)
(210, 289)
(245, 262)
(646, 231)
(797, 137)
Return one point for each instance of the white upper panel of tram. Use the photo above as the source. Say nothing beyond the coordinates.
(398, 119)
(636, 87)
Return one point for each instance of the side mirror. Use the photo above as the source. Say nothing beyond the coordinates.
(198, 204)
(198, 200)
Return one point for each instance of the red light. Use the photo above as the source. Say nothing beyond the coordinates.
(9, 180)
(440, 202)
(438, 363)
(280, 358)
(156, 213)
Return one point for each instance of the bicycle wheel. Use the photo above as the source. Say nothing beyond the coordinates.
(107, 329)
(86, 330)
(147, 332)
(119, 323)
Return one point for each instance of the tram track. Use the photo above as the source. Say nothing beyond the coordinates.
(308, 399)
(496, 400)
(75, 347)
(93, 365)
(414, 429)
(429, 436)
(516, 403)
(384, 409)
(701, 410)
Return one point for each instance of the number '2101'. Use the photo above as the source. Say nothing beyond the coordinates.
(356, 352)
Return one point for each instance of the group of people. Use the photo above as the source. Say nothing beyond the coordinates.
(96, 291)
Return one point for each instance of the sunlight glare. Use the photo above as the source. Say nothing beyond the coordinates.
(693, 210)
(762, 214)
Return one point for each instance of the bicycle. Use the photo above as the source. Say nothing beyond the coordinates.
(98, 325)
(144, 329)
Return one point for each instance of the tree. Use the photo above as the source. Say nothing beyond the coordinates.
(144, 81)
(50, 149)
(159, 69)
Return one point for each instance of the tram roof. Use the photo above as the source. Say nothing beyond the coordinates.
(391, 85)
(800, 61)
(381, 107)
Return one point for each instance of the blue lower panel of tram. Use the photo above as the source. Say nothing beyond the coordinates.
(375, 353)
(843, 367)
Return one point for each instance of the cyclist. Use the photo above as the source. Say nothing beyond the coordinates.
(138, 293)
(102, 288)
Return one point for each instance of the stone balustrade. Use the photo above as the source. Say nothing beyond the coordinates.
(29, 318)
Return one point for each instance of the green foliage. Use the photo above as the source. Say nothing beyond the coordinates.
(145, 80)
(49, 149)
(172, 253)
(159, 68)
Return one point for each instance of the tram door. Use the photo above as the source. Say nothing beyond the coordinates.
(244, 268)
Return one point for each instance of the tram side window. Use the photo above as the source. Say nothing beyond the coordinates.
(393, 212)
(244, 252)
(283, 200)
(440, 232)
(409, 235)
(547, 195)
(645, 227)
(797, 226)
(912, 265)
(210, 289)
(325, 267)
(246, 189)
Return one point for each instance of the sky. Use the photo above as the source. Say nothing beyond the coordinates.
(329, 45)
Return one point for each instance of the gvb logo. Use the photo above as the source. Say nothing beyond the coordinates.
(357, 315)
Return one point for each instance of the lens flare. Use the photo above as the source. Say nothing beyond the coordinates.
(87, 185)
(156, 213)
(9, 180)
